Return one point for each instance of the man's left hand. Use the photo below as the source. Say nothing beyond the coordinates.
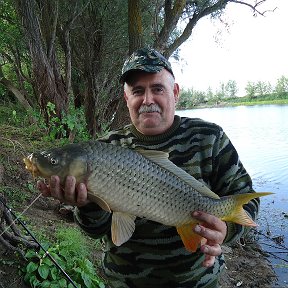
(214, 230)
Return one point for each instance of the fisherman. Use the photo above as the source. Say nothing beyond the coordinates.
(155, 256)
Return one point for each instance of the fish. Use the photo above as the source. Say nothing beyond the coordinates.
(132, 183)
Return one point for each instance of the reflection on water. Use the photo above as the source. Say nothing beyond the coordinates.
(260, 135)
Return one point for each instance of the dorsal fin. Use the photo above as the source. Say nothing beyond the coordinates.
(161, 158)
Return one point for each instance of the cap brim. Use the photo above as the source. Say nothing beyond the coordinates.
(148, 69)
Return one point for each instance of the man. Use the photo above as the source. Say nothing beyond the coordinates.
(155, 255)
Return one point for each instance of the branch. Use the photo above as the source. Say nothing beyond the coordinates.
(254, 7)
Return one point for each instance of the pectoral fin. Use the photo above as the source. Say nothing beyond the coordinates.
(122, 227)
(98, 200)
(190, 239)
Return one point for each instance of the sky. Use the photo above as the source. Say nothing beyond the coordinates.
(251, 49)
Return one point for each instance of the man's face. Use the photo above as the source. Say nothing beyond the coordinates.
(151, 100)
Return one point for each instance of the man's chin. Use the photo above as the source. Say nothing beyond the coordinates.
(150, 119)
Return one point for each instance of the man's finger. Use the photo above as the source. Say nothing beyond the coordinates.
(211, 235)
(207, 218)
(209, 261)
(82, 195)
(70, 194)
(42, 187)
(55, 188)
(213, 250)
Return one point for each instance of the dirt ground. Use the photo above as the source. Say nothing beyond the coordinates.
(246, 266)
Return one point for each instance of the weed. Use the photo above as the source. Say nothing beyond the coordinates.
(73, 121)
(16, 196)
(71, 252)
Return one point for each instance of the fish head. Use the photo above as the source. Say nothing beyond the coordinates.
(69, 160)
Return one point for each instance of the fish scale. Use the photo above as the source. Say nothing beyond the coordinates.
(141, 183)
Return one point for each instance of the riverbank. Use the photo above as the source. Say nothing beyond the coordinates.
(236, 102)
(246, 266)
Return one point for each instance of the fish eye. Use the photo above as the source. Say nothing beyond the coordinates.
(53, 161)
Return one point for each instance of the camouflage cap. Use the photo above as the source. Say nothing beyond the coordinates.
(145, 59)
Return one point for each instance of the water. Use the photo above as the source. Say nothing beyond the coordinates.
(260, 135)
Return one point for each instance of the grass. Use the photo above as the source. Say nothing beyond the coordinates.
(19, 138)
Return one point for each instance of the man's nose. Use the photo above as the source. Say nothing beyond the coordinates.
(148, 98)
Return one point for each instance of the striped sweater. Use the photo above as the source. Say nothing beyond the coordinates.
(155, 255)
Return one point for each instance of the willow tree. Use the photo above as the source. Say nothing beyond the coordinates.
(41, 34)
(162, 31)
(14, 69)
(77, 47)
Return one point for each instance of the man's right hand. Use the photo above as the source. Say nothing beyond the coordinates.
(72, 194)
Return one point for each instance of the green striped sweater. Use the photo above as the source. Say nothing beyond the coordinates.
(155, 255)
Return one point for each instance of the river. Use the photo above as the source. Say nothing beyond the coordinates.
(260, 135)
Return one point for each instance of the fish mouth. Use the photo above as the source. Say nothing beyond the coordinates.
(31, 166)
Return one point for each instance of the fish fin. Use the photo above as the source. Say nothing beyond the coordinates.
(161, 158)
(98, 200)
(239, 215)
(190, 239)
(122, 227)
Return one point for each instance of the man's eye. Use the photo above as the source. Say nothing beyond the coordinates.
(158, 90)
(137, 92)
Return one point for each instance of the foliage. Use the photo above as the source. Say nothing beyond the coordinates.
(71, 252)
(73, 121)
(79, 55)
(282, 86)
(257, 92)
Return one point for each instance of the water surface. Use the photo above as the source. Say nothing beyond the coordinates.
(260, 135)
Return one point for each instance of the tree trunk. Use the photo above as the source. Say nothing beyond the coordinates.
(9, 85)
(135, 30)
(48, 81)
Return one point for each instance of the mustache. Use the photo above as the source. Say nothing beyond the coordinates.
(149, 108)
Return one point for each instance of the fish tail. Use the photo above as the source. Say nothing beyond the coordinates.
(238, 214)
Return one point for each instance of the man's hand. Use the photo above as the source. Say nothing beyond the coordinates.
(72, 194)
(214, 230)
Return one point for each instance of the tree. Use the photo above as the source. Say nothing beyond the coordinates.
(251, 89)
(281, 87)
(263, 88)
(41, 34)
(166, 16)
(80, 54)
(231, 89)
(14, 67)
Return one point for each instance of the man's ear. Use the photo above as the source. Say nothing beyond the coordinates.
(125, 96)
(176, 92)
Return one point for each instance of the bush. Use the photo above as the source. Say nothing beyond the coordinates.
(71, 252)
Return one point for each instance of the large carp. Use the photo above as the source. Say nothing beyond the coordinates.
(141, 183)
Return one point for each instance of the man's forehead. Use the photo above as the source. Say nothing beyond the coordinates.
(141, 77)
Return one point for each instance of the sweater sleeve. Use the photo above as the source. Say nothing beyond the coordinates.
(93, 220)
(229, 178)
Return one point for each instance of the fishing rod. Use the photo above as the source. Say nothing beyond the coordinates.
(40, 245)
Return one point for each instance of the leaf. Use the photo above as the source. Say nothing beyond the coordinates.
(54, 273)
(31, 267)
(87, 280)
(31, 254)
(72, 286)
(45, 284)
(35, 282)
(63, 283)
(48, 262)
(43, 271)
